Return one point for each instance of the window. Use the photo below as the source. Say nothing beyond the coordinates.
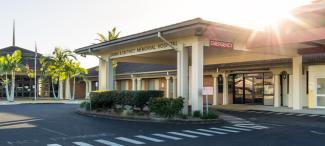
(320, 94)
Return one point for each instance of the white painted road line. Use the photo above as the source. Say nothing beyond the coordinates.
(199, 133)
(323, 116)
(289, 114)
(236, 128)
(301, 115)
(269, 113)
(149, 138)
(226, 130)
(251, 126)
(167, 136)
(182, 134)
(280, 113)
(129, 140)
(82, 144)
(53, 145)
(211, 131)
(109, 143)
(312, 115)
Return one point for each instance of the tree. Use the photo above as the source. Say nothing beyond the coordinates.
(56, 65)
(75, 71)
(112, 35)
(11, 64)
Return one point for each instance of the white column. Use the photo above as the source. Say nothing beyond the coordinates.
(225, 89)
(297, 82)
(290, 91)
(215, 91)
(167, 86)
(115, 85)
(182, 76)
(67, 90)
(134, 84)
(139, 84)
(197, 75)
(277, 94)
(109, 74)
(174, 87)
(90, 86)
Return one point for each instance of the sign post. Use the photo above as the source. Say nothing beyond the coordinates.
(207, 91)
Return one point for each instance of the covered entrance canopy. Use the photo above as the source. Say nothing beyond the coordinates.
(199, 47)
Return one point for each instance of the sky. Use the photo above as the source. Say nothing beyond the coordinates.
(72, 24)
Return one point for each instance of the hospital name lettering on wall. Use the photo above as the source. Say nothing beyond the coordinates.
(221, 44)
(143, 49)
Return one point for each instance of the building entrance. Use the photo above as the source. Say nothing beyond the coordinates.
(252, 88)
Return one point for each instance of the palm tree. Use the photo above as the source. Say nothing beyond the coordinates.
(76, 71)
(56, 66)
(112, 35)
(11, 64)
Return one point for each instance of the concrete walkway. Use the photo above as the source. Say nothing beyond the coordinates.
(244, 107)
(39, 101)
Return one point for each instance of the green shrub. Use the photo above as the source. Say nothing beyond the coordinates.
(210, 115)
(103, 99)
(108, 99)
(142, 98)
(197, 114)
(166, 107)
(85, 105)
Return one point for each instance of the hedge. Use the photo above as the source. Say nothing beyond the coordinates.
(166, 107)
(108, 99)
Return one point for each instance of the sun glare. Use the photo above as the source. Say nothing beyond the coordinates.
(256, 14)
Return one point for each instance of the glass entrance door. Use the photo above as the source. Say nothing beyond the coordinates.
(249, 88)
(320, 96)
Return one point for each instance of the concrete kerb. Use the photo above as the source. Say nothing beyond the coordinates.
(41, 102)
(145, 119)
(268, 109)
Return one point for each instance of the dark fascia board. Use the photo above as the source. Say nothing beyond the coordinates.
(193, 23)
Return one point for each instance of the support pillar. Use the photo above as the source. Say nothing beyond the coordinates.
(174, 87)
(225, 89)
(197, 76)
(167, 86)
(182, 76)
(215, 91)
(277, 91)
(290, 91)
(139, 84)
(297, 82)
(134, 84)
(110, 74)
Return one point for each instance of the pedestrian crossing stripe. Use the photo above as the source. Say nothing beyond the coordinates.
(199, 133)
(149, 138)
(226, 130)
(53, 145)
(167, 136)
(129, 140)
(82, 144)
(243, 129)
(183, 134)
(211, 131)
(109, 143)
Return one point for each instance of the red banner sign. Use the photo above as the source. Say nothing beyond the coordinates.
(221, 44)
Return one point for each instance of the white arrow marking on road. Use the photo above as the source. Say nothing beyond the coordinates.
(226, 130)
(102, 141)
(215, 132)
(149, 138)
(130, 140)
(82, 144)
(199, 133)
(251, 126)
(237, 128)
(167, 136)
(182, 134)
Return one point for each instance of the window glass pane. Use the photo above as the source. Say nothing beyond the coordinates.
(321, 86)
(321, 101)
